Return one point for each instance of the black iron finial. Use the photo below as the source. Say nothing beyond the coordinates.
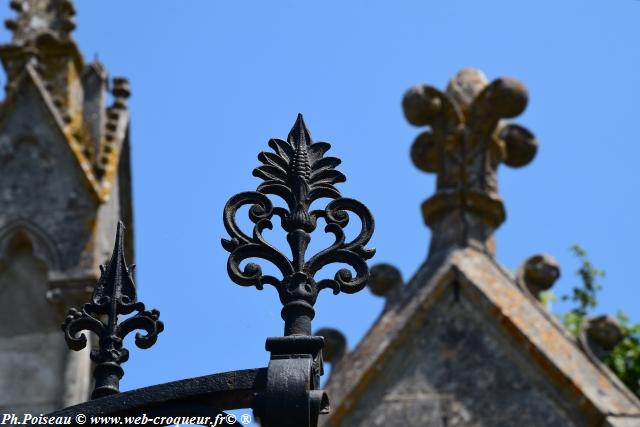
(298, 172)
(113, 295)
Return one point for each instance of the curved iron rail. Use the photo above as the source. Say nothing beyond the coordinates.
(202, 396)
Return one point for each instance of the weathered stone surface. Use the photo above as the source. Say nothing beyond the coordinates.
(24, 283)
(385, 281)
(464, 146)
(459, 371)
(606, 331)
(42, 185)
(599, 336)
(538, 273)
(41, 17)
(466, 341)
(621, 422)
(31, 366)
(64, 184)
(335, 344)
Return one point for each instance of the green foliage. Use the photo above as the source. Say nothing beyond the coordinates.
(585, 294)
(573, 322)
(624, 359)
(547, 298)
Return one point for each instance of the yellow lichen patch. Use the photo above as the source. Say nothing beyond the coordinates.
(108, 158)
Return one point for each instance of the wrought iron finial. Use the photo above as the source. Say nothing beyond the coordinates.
(298, 172)
(466, 143)
(113, 295)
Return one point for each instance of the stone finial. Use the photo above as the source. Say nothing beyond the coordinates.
(466, 142)
(42, 39)
(538, 273)
(121, 92)
(41, 17)
(385, 280)
(335, 345)
(600, 335)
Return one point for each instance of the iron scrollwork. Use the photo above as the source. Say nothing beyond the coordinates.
(298, 172)
(113, 295)
(287, 392)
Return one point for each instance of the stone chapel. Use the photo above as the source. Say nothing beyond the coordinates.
(465, 342)
(64, 183)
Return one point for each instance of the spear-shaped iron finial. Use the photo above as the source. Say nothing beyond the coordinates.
(113, 295)
(298, 172)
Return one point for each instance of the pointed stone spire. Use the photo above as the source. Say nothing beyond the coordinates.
(43, 50)
(466, 142)
(42, 40)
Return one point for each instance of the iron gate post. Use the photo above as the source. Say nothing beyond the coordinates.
(298, 173)
(292, 397)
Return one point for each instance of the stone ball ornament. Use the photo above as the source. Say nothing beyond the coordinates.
(505, 97)
(520, 145)
(421, 104)
(384, 278)
(424, 152)
(335, 344)
(538, 273)
(606, 331)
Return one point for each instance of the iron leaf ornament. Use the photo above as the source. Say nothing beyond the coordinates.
(298, 172)
(114, 295)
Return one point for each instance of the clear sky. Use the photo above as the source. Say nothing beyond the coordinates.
(212, 81)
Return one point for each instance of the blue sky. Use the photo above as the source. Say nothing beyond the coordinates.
(212, 81)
